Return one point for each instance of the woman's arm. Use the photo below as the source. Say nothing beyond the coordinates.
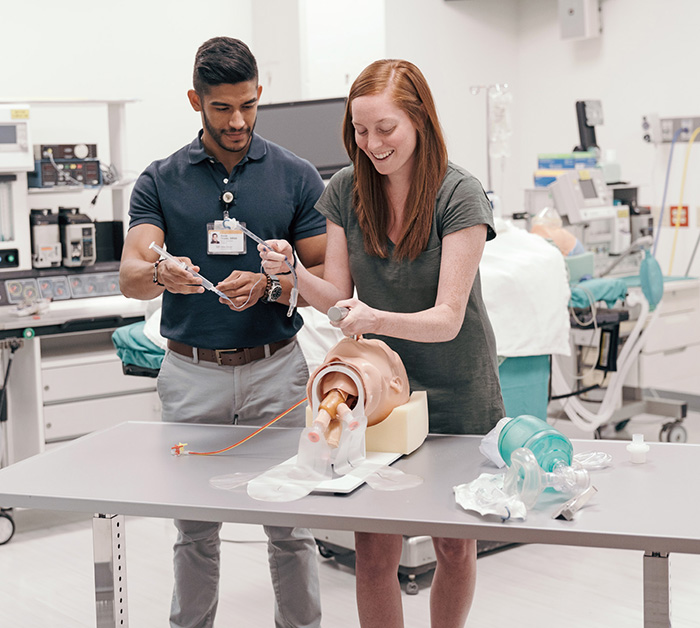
(319, 292)
(461, 254)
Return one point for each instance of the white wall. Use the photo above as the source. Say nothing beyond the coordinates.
(456, 45)
(642, 63)
(130, 49)
(145, 50)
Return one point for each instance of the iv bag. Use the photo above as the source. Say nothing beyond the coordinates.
(500, 129)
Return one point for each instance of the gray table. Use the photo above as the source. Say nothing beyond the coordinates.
(129, 470)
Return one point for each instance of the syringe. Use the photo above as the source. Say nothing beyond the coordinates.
(208, 285)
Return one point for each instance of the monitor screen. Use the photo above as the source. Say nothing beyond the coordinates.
(311, 129)
(8, 133)
(588, 188)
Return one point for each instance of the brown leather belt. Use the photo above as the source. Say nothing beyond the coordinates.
(228, 357)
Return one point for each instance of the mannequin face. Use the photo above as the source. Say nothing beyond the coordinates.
(381, 370)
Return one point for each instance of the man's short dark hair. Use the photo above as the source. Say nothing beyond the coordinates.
(223, 60)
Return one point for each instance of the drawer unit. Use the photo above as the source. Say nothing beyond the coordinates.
(70, 420)
(678, 324)
(84, 388)
(94, 377)
(664, 369)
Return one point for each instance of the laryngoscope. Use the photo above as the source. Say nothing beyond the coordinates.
(205, 282)
(336, 314)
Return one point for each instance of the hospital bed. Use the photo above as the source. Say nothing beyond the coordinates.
(595, 331)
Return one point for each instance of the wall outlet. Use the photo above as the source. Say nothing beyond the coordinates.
(657, 130)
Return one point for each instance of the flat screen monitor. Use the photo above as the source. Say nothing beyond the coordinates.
(311, 129)
(8, 134)
(588, 188)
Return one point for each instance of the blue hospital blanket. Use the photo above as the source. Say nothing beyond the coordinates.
(133, 347)
(605, 289)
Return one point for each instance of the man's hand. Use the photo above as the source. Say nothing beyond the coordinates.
(177, 279)
(244, 288)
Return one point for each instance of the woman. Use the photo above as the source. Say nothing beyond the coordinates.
(407, 228)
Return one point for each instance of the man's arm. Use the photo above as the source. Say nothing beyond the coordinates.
(136, 268)
(136, 271)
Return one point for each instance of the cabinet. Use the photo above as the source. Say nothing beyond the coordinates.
(84, 388)
(66, 385)
(669, 360)
(66, 380)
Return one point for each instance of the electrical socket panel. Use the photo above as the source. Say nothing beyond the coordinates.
(657, 130)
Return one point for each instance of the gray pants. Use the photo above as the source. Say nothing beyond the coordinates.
(251, 394)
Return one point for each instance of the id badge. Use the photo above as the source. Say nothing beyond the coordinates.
(224, 240)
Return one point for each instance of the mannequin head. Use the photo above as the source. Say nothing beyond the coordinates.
(383, 375)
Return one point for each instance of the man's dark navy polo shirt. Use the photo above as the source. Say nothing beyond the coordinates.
(274, 195)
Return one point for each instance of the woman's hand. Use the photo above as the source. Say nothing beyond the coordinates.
(360, 319)
(274, 257)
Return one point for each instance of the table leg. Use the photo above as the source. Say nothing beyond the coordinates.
(657, 590)
(109, 547)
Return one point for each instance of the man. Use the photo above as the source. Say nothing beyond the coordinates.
(236, 363)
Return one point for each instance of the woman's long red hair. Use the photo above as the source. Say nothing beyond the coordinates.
(410, 92)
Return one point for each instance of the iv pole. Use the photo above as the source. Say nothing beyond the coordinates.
(475, 89)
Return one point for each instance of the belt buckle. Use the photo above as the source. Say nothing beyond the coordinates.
(219, 353)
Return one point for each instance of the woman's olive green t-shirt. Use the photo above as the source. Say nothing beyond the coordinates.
(460, 376)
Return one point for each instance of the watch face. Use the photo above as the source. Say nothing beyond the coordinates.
(275, 291)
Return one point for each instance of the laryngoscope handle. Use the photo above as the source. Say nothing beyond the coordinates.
(336, 313)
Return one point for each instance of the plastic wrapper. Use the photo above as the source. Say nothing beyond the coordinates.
(487, 496)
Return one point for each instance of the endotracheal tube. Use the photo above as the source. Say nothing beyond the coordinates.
(295, 292)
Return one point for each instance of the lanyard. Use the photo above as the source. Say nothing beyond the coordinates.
(227, 197)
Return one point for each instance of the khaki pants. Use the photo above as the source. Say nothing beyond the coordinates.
(251, 394)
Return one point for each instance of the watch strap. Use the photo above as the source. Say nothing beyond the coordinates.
(272, 284)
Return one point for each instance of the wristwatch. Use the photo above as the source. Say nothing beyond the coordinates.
(273, 290)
